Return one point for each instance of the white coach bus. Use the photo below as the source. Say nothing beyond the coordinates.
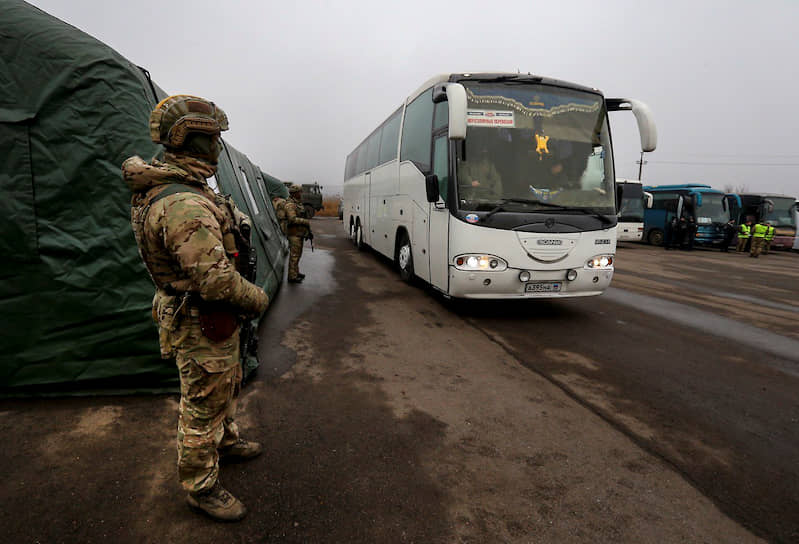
(493, 186)
(631, 209)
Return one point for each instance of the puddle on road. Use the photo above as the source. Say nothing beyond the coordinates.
(292, 300)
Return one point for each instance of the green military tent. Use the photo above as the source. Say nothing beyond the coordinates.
(74, 295)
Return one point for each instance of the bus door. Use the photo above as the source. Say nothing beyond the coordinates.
(368, 209)
(438, 246)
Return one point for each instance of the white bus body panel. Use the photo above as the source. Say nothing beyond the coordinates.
(516, 247)
(630, 232)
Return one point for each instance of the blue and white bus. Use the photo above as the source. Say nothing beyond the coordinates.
(493, 185)
(709, 207)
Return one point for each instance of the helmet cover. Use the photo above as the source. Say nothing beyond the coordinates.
(181, 119)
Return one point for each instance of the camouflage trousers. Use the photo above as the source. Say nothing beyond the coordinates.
(741, 244)
(766, 247)
(757, 246)
(210, 380)
(295, 248)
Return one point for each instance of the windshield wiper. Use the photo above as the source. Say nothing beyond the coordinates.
(592, 212)
(501, 206)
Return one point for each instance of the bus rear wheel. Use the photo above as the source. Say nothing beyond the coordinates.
(655, 237)
(405, 259)
(358, 237)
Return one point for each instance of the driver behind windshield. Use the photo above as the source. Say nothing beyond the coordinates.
(478, 177)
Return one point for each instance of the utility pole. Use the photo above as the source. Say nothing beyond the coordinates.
(641, 164)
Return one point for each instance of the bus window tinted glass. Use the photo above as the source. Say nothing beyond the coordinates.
(441, 165)
(441, 117)
(416, 131)
(372, 146)
(390, 138)
(360, 164)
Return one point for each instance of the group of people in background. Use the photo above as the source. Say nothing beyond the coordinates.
(755, 238)
(680, 233)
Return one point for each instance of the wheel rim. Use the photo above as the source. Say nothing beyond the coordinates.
(404, 256)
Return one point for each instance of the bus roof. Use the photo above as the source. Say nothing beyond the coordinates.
(766, 195)
(477, 76)
(699, 187)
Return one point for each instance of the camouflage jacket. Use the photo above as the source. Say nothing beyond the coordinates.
(186, 239)
(279, 204)
(297, 224)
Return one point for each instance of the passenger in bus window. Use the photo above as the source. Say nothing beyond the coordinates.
(478, 177)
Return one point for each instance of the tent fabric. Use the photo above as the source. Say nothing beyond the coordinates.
(74, 295)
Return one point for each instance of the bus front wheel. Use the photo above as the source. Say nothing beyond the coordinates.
(405, 259)
(655, 237)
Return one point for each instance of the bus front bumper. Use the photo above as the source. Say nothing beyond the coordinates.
(542, 284)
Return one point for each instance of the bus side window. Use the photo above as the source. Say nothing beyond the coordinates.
(416, 131)
(441, 115)
(441, 164)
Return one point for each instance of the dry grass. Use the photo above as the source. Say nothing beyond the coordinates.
(329, 207)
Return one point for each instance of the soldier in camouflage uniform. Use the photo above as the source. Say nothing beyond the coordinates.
(279, 204)
(298, 229)
(190, 238)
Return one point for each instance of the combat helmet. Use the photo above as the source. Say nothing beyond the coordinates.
(294, 189)
(188, 124)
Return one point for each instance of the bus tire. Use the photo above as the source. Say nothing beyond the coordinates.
(405, 259)
(359, 237)
(655, 237)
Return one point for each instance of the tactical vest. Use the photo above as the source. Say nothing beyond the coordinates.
(164, 270)
(760, 231)
(299, 211)
(771, 233)
(744, 232)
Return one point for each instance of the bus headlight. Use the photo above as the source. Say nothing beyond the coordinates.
(600, 261)
(488, 263)
(571, 275)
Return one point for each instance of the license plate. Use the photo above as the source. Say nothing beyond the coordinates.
(543, 287)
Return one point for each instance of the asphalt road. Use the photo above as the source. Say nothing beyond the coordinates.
(665, 410)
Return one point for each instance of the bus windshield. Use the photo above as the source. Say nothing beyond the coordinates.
(782, 213)
(712, 210)
(532, 145)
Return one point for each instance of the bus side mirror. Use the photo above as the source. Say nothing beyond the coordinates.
(649, 200)
(646, 123)
(431, 185)
(456, 99)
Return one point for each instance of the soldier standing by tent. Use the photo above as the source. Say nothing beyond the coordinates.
(299, 228)
(190, 239)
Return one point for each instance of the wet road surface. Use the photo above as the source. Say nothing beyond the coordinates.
(663, 411)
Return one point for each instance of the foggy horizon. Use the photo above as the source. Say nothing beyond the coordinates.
(304, 84)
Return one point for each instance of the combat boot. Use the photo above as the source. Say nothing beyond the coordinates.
(243, 449)
(217, 503)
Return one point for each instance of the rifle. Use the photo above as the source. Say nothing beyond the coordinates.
(248, 267)
(309, 237)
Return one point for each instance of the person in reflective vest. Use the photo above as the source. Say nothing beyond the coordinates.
(758, 239)
(744, 231)
(769, 237)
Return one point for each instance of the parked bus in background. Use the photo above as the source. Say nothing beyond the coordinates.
(709, 208)
(631, 210)
(493, 186)
(779, 210)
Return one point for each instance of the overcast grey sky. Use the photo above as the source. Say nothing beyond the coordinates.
(304, 82)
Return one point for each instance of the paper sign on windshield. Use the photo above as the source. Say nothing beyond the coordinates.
(490, 118)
